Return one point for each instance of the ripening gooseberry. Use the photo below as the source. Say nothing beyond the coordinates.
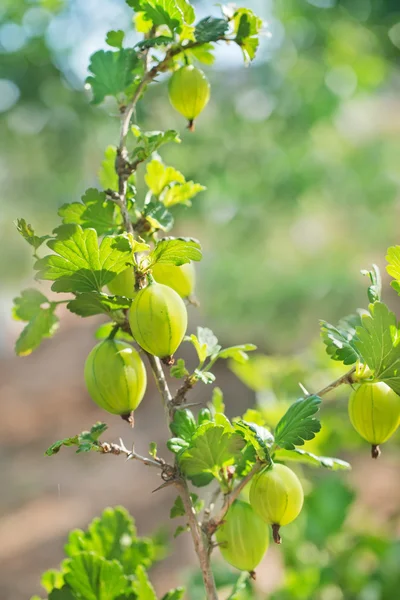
(189, 92)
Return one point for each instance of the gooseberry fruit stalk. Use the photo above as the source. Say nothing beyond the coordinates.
(374, 411)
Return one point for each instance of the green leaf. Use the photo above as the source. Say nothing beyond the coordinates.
(259, 437)
(113, 536)
(96, 303)
(52, 579)
(204, 376)
(153, 449)
(107, 175)
(237, 353)
(187, 10)
(32, 306)
(95, 578)
(150, 141)
(177, 444)
(302, 456)
(112, 72)
(142, 586)
(175, 251)
(212, 449)
(179, 371)
(247, 27)
(181, 193)
(104, 331)
(158, 216)
(379, 344)
(64, 593)
(211, 29)
(175, 594)
(115, 38)
(181, 529)
(241, 590)
(375, 289)
(298, 424)
(86, 441)
(341, 341)
(217, 401)
(160, 40)
(178, 510)
(94, 211)
(183, 424)
(393, 268)
(205, 343)
(163, 12)
(80, 265)
(203, 53)
(29, 235)
(158, 176)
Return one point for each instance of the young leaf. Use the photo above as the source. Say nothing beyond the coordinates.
(204, 376)
(96, 303)
(29, 235)
(80, 265)
(217, 401)
(259, 437)
(302, 456)
(175, 251)
(150, 141)
(94, 578)
(179, 371)
(176, 445)
(211, 29)
(158, 216)
(115, 38)
(211, 450)
(181, 529)
(107, 175)
(341, 341)
(181, 193)
(112, 72)
(158, 176)
(205, 343)
(203, 53)
(237, 353)
(298, 424)
(52, 579)
(86, 441)
(32, 306)
(142, 586)
(393, 268)
(183, 424)
(163, 12)
(379, 344)
(176, 594)
(94, 211)
(247, 27)
(178, 510)
(375, 289)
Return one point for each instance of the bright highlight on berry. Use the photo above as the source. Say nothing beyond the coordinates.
(189, 92)
(374, 411)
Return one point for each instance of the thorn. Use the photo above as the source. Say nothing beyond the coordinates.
(164, 485)
(303, 389)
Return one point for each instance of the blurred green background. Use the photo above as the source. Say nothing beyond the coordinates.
(300, 155)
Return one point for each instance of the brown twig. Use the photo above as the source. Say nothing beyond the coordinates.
(346, 378)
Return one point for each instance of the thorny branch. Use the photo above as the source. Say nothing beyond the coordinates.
(346, 378)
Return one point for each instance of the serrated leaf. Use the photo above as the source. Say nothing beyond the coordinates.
(52, 579)
(32, 306)
(259, 437)
(205, 343)
(142, 586)
(153, 449)
(96, 303)
(181, 529)
(94, 211)
(375, 289)
(237, 353)
(247, 27)
(379, 344)
(29, 235)
(181, 193)
(107, 175)
(79, 264)
(112, 72)
(302, 456)
(160, 40)
(149, 142)
(393, 268)
(203, 53)
(341, 341)
(158, 216)
(175, 594)
(178, 510)
(183, 424)
(298, 424)
(175, 251)
(115, 38)
(211, 29)
(179, 371)
(158, 176)
(177, 444)
(95, 578)
(85, 441)
(211, 449)
(217, 401)
(64, 593)
(204, 376)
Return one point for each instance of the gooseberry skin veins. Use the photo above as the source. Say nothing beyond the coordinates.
(115, 377)
(158, 319)
(374, 411)
(181, 279)
(276, 495)
(189, 91)
(123, 284)
(243, 537)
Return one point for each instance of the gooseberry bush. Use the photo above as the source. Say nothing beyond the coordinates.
(111, 256)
